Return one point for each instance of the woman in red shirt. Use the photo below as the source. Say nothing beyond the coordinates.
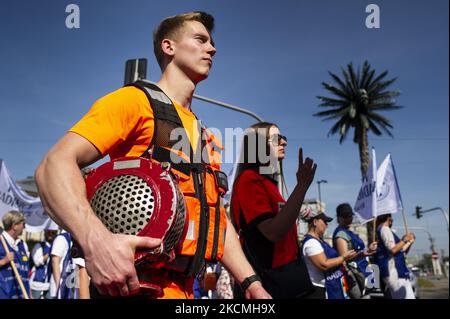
(265, 221)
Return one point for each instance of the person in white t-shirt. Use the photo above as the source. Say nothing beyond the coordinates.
(390, 258)
(41, 271)
(58, 253)
(318, 260)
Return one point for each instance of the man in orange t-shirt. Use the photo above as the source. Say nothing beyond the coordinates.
(122, 124)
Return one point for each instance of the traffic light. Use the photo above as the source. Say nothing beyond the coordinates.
(418, 212)
(135, 69)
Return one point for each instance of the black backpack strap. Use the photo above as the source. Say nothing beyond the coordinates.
(163, 109)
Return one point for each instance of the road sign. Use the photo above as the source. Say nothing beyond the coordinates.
(435, 255)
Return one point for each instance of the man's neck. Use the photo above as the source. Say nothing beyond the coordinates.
(12, 234)
(178, 87)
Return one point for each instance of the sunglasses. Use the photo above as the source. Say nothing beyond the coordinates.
(278, 137)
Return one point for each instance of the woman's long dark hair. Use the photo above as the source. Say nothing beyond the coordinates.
(249, 158)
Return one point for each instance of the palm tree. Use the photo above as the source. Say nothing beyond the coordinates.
(358, 97)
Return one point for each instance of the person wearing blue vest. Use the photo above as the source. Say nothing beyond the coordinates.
(65, 269)
(14, 224)
(390, 258)
(324, 264)
(344, 240)
(41, 271)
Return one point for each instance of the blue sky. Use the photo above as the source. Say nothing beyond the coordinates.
(272, 57)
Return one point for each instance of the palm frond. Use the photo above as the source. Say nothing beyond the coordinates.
(384, 106)
(326, 101)
(336, 112)
(378, 87)
(335, 90)
(339, 82)
(379, 119)
(334, 128)
(368, 79)
(386, 129)
(374, 128)
(364, 74)
(353, 78)
(378, 78)
(385, 95)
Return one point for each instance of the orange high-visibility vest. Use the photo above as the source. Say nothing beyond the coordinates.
(201, 183)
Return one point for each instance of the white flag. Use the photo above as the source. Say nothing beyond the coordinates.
(389, 199)
(12, 197)
(366, 204)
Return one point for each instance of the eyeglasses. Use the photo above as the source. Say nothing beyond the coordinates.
(278, 137)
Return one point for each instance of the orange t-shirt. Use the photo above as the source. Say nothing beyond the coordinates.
(122, 124)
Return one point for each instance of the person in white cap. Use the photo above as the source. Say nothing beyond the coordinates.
(41, 271)
(325, 265)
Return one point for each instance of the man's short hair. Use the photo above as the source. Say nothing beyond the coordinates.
(12, 218)
(169, 27)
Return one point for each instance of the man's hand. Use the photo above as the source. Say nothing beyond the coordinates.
(7, 259)
(110, 263)
(306, 170)
(256, 291)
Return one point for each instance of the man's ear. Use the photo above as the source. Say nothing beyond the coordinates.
(167, 47)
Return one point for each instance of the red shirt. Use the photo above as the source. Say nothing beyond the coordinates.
(257, 198)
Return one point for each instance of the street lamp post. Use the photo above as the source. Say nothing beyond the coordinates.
(320, 197)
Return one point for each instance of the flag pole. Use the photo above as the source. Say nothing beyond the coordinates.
(404, 221)
(374, 229)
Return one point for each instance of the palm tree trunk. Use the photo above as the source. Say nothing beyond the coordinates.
(363, 151)
(364, 162)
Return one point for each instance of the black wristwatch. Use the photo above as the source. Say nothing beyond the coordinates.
(248, 281)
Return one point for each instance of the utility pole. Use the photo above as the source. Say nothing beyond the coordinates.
(320, 197)
(419, 213)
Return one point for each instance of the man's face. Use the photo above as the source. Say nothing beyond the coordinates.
(193, 50)
(50, 235)
(18, 228)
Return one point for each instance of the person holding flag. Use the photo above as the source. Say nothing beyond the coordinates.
(378, 199)
(390, 258)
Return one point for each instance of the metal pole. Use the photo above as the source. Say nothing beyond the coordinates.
(320, 200)
(320, 195)
(229, 106)
(443, 212)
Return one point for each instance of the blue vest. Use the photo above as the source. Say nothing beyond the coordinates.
(43, 272)
(9, 286)
(358, 245)
(382, 258)
(334, 278)
(68, 285)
